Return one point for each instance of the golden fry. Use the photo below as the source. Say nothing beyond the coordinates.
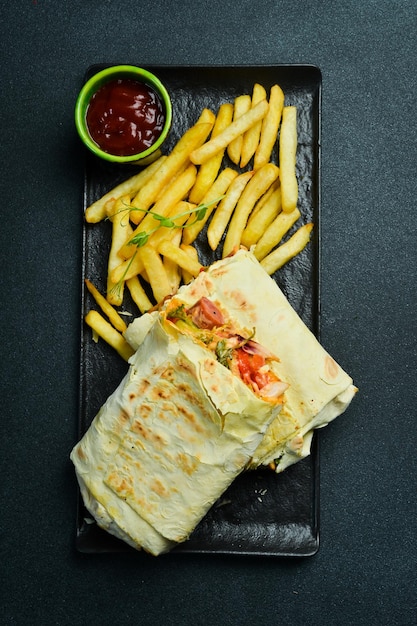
(179, 256)
(288, 250)
(110, 335)
(241, 105)
(264, 199)
(263, 214)
(208, 172)
(236, 128)
(287, 158)
(106, 307)
(134, 266)
(251, 137)
(192, 139)
(164, 188)
(225, 209)
(171, 266)
(179, 215)
(127, 269)
(207, 117)
(96, 212)
(121, 230)
(275, 232)
(157, 276)
(172, 195)
(138, 294)
(270, 126)
(256, 187)
(192, 252)
(217, 190)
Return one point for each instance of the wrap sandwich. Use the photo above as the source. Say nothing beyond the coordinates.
(225, 377)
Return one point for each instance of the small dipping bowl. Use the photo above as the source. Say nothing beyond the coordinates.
(122, 107)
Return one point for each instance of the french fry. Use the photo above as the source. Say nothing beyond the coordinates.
(287, 158)
(256, 187)
(264, 199)
(180, 171)
(270, 126)
(179, 215)
(171, 266)
(251, 137)
(110, 335)
(191, 139)
(225, 209)
(121, 229)
(275, 232)
(236, 128)
(172, 195)
(179, 256)
(241, 105)
(217, 190)
(207, 117)
(134, 266)
(156, 272)
(288, 250)
(106, 307)
(119, 208)
(208, 172)
(138, 294)
(96, 212)
(263, 214)
(192, 252)
(127, 269)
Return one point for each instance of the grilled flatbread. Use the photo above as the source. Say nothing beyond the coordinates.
(193, 411)
(169, 441)
(319, 389)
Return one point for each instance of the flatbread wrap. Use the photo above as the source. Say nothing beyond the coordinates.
(225, 377)
(175, 433)
(319, 390)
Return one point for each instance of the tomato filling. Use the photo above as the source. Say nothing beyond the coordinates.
(245, 357)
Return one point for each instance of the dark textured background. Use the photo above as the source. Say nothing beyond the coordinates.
(365, 570)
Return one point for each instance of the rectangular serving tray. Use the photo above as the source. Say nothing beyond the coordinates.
(262, 513)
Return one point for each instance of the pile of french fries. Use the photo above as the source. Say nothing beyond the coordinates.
(219, 173)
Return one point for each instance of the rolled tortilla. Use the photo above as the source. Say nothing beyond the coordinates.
(181, 426)
(319, 389)
(168, 442)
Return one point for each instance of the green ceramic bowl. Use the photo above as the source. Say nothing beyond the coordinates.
(95, 83)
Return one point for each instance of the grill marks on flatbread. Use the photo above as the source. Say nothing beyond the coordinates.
(181, 426)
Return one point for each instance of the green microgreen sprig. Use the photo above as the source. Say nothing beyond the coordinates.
(141, 238)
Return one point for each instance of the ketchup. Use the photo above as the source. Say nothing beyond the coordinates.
(125, 117)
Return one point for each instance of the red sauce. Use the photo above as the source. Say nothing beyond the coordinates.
(125, 117)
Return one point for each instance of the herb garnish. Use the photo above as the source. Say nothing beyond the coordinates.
(179, 313)
(140, 239)
(223, 353)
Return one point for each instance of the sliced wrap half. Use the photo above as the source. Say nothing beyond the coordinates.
(182, 424)
(319, 389)
(169, 441)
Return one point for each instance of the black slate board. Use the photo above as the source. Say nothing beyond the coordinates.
(262, 513)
